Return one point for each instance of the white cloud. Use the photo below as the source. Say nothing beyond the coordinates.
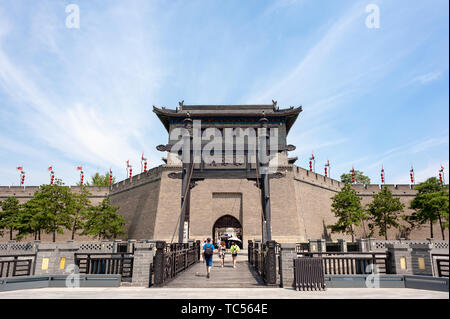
(427, 78)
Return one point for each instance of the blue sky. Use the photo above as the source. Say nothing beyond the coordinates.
(83, 97)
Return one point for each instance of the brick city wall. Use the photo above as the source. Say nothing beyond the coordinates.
(300, 205)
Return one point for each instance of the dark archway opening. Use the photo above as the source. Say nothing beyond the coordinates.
(227, 227)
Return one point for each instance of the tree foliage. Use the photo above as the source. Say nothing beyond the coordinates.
(384, 211)
(431, 204)
(347, 207)
(10, 209)
(55, 202)
(79, 210)
(100, 180)
(360, 178)
(54, 209)
(104, 222)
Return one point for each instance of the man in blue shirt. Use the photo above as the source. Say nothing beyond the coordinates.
(208, 251)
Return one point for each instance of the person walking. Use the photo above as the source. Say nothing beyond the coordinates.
(208, 251)
(203, 244)
(234, 249)
(221, 252)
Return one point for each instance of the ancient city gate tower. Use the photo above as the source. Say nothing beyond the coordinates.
(226, 144)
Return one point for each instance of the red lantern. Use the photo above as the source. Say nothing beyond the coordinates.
(81, 179)
(310, 166)
(131, 172)
(145, 166)
(325, 172)
(353, 175)
(23, 179)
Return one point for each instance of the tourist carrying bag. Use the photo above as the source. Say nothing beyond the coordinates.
(208, 250)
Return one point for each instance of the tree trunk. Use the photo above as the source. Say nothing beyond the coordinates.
(54, 231)
(442, 228)
(10, 233)
(353, 235)
(39, 234)
(385, 229)
(35, 235)
(364, 229)
(431, 229)
(73, 231)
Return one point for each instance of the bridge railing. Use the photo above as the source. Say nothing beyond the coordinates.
(350, 263)
(16, 265)
(106, 263)
(262, 257)
(172, 259)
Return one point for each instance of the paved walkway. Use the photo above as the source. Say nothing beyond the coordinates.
(243, 276)
(221, 293)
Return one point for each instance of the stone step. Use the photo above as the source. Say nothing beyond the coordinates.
(243, 276)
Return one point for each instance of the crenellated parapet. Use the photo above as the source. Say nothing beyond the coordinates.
(24, 193)
(316, 179)
(137, 180)
(396, 189)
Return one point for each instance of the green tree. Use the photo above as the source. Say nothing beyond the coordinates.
(360, 178)
(79, 210)
(99, 180)
(55, 202)
(30, 220)
(431, 204)
(347, 207)
(104, 222)
(10, 209)
(384, 211)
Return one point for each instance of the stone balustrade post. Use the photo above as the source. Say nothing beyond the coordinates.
(142, 263)
(159, 263)
(53, 258)
(286, 266)
(363, 245)
(422, 263)
(342, 245)
(271, 264)
(399, 259)
(371, 243)
(130, 245)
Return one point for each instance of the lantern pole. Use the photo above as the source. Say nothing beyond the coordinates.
(353, 175)
(312, 162)
(411, 175)
(52, 174)
(327, 166)
(441, 175)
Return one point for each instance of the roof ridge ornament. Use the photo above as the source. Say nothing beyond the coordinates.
(181, 104)
(274, 103)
